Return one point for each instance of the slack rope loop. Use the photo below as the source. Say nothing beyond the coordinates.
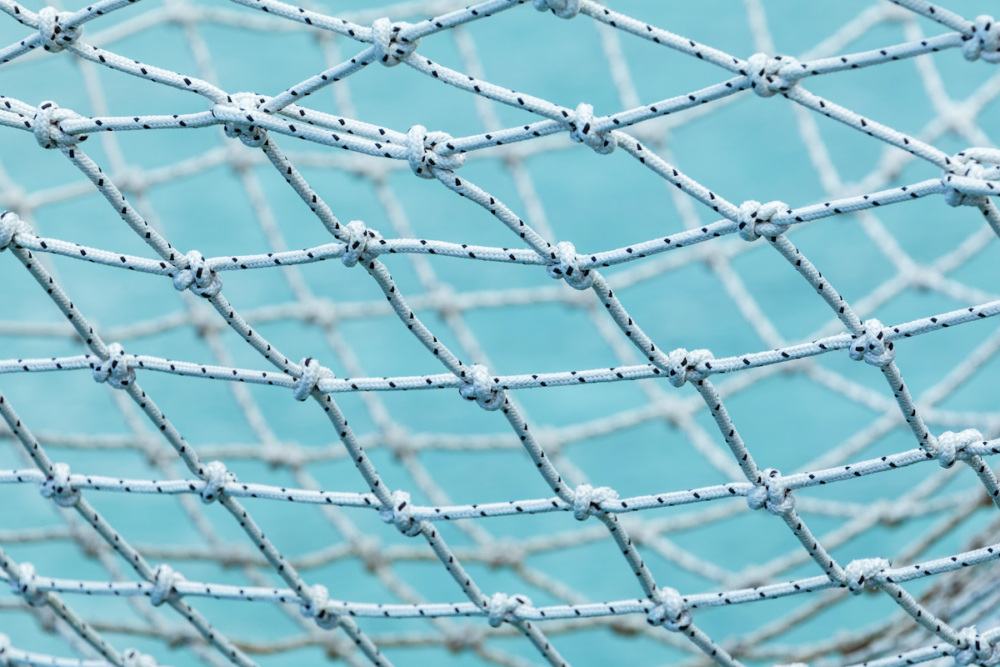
(970, 178)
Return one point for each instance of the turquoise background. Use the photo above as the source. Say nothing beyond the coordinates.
(747, 149)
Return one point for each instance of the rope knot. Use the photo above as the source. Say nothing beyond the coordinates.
(503, 607)
(10, 226)
(57, 487)
(670, 612)
(25, 584)
(390, 48)
(771, 493)
(132, 658)
(423, 151)
(217, 478)
(873, 345)
(357, 243)
(480, 387)
(46, 127)
(965, 176)
(564, 9)
(317, 606)
(198, 274)
(56, 37)
(115, 369)
(755, 220)
(682, 365)
(862, 573)
(587, 500)
(984, 40)
(4, 647)
(400, 514)
(584, 131)
(951, 446)
(565, 265)
(976, 649)
(250, 134)
(312, 373)
(765, 75)
(165, 581)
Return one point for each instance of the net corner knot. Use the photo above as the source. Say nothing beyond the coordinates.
(771, 493)
(770, 76)
(480, 387)
(983, 41)
(115, 370)
(873, 345)
(755, 219)
(10, 226)
(400, 514)
(503, 607)
(47, 126)
(564, 9)
(391, 47)
(683, 365)
(57, 486)
(55, 36)
(587, 500)
(669, 611)
(584, 131)
(862, 574)
(312, 374)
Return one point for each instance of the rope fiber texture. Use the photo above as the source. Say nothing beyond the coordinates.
(939, 622)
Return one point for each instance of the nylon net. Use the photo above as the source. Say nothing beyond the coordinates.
(799, 561)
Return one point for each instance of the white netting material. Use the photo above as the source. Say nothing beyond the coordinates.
(969, 178)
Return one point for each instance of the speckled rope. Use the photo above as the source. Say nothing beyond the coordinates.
(969, 178)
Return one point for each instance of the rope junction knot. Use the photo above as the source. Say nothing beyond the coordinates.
(967, 170)
(56, 37)
(951, 446)
(984, 41)
(359, 236)
(584, 131)
(390, 48)
(862, 573)
(312, 373)
(165, 581)
(10, 226)
(976, 649)
(682, 365)
(251, 135)
(218, 477)
(317, 607)
(25, 584)
(198, 274)
(670, 612)
(873, 345)
(755, 221)
(132, 658)
(46, 127)
(765, 75)
(481, 388)
(58, 488)
(587, 500)
(771, 494)
(400, 514)
(503, 607)
(115, 369)
(4, 647)
(423, 151)
(564, 9)
(565, 265)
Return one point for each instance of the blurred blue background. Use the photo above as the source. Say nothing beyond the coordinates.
(214, 195)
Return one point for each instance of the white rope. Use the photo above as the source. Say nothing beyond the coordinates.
(967, 178)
